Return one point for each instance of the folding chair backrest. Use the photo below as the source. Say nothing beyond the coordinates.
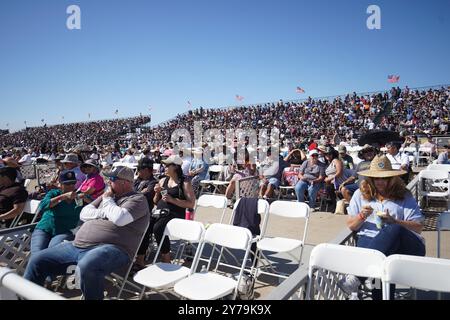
(424, 273)
(357, 261)
(441, 167)
(211, 200)
(289, 209)
(228, 236)
(215, 168)
(181, 229)
(433, 174)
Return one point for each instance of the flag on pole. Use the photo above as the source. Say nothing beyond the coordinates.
(62, 117)
(393, 79)
(117, 111)
(189, 104)
(239, 98)
(299, 90)
(42, 120)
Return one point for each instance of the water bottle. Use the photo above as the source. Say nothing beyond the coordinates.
(353, 296)
(189, 214)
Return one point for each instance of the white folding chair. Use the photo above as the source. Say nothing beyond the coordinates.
(162, 276)
(442, 224)
(211, 285)
(263, 209)
(423, 273)
(31, 207)
(424, 153)
(439, 187)
(279, 244)
(216, 184)
(331, 261)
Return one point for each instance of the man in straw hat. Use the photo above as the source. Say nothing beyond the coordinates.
(385, 215)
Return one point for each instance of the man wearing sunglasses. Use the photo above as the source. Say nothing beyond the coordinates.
(112, 230)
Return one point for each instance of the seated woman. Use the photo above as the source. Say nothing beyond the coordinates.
(173, 195)
(349, 186)
(60, 215)
(239, 171)
(385, 215)
(94, 185)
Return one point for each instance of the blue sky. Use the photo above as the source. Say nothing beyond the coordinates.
(132, 54)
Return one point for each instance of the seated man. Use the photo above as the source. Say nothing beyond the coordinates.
(12, 195)
(271, 175)
(443, 156)
(112, 230)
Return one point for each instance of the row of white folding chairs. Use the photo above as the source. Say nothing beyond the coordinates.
(186, 282)
(422, 273)
(264, 243)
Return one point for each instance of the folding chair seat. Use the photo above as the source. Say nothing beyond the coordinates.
(423, 273)
(162, 276)
(209, 285)
(329, 263)
(286, 209)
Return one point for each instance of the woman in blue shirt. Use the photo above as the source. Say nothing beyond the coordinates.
(60, 215)
(385, 214)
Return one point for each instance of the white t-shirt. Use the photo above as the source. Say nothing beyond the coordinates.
(398, 160)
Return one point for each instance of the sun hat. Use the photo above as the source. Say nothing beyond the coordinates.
(381, 167)
(173, 159)
(70, 158)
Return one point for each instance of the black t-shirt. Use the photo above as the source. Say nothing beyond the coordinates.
(9, 196)
(140, 185)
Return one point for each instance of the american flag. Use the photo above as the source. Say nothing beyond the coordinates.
(393, 79)
(299, 90)
(239, 98)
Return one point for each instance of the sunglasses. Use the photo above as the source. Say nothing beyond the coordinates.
(113, 179)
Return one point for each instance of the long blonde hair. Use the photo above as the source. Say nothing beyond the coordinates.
(395, 190)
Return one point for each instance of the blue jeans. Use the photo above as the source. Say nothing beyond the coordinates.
(41, 240)
(93, 264)
(313, 189)
(393, 239)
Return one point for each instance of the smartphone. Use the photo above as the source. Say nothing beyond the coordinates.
(163, 192)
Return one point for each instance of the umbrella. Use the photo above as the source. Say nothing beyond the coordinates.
(379, 137)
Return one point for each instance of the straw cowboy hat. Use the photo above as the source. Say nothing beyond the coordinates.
(381, 167)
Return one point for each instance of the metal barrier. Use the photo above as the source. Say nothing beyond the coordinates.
(295, 286)
(13, 285)
(15, 247)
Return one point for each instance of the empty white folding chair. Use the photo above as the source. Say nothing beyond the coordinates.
(162, 276)
(208, 285)
(425, 154)
(332, 261)
(434, 184)
(423, 273)
(286, 209)
(443, 224)
(216, 183)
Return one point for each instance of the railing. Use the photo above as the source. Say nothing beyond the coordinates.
(295, 286)
(13, 285)
(15, 247)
